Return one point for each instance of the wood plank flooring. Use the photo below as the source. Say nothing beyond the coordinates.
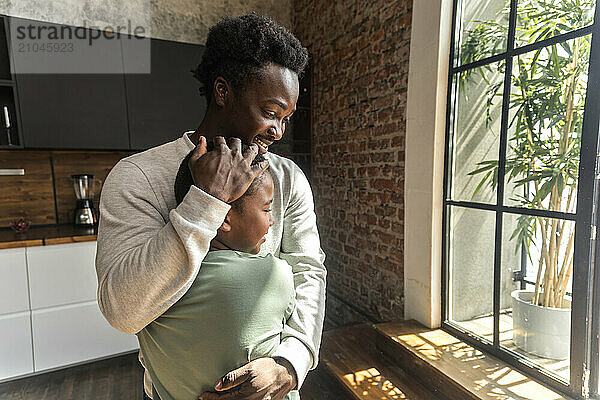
(351, 355)
(120, 378)
(115, 378)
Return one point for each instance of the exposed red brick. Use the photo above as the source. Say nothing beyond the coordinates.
(384, 223)
(359, 54)
(384, 184)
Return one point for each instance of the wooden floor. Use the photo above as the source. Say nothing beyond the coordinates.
(115, 378)
(351, 354)
(120, 378)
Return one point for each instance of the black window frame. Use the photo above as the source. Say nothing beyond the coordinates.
(585, 315)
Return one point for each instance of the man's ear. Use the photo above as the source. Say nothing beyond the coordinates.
(221, 91)
(226, 225)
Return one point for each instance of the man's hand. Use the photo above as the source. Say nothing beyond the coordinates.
(225, 172)
(261, 379)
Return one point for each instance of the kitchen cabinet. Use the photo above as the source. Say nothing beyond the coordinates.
(62, 274)
(71, 100)
(66, 321)
(74, 333)
(166, 102)
(49, 312)
(120, 110)
(93, 97)
(14, 291)
(16, 357)
(10, 135)
(73, 111)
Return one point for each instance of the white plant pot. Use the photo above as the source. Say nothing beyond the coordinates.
(542, 331)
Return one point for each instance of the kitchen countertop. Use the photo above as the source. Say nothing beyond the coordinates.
(46, 235)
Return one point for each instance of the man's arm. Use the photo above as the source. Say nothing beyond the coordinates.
(300, 247)
(145, 264)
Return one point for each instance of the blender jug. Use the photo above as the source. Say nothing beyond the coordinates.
(85, 187)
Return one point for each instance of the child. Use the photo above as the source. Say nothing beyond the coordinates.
(234, 311)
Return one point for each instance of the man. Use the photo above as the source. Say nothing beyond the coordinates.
(150, 249)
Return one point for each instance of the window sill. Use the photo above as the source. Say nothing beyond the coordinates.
(456, 368)
(386, 361)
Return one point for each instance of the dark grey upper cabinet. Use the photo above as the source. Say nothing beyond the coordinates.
(73, 111)
(70, 99)
(166, 102)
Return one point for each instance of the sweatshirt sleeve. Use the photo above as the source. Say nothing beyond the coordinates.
(144, 263)
(300, 247)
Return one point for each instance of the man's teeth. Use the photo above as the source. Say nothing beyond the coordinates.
(263, 144)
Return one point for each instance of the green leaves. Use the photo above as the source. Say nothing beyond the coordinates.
(490, 168)
(546, 107)
(524, 233)
(486, 39)
(539, 19)
(546, 118)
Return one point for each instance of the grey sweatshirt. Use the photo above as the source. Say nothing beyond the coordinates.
(150, 250)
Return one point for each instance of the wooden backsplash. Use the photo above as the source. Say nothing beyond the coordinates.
(33, 195)
(30, 195)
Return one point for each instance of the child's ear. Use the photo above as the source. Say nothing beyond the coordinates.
(226, 225)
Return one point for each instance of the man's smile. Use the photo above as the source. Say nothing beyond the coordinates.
(262, 143)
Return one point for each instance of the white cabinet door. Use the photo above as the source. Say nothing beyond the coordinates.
(62, 274)
(15, 345)
(14, 291)
(74, 333)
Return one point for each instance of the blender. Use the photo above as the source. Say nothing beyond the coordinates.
(85, 186)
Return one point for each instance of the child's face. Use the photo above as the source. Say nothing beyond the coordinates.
(248, 228)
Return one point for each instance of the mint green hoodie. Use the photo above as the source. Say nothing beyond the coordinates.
(233, 313)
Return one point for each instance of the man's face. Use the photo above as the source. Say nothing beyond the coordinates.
(261, 111)
(249, 227)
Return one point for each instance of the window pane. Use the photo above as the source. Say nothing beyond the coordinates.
(471, 269)
(542, 250)
(542, 19)
(476, 135)
(481, 29)
(546, 119)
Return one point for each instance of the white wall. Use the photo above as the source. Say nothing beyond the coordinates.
(425, 130)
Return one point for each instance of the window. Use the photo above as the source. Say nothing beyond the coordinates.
(520, 186)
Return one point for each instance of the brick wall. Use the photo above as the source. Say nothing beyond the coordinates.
(359, 53)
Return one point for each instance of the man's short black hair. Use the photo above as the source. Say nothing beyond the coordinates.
(236, 49)
(184, 179)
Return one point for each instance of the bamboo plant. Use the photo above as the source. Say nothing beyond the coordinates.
(545, 124)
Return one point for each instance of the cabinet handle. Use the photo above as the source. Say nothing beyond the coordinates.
(6, 117)
(7, 126)
(12, 172)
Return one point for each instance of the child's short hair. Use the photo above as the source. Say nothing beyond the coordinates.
(184, 179)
